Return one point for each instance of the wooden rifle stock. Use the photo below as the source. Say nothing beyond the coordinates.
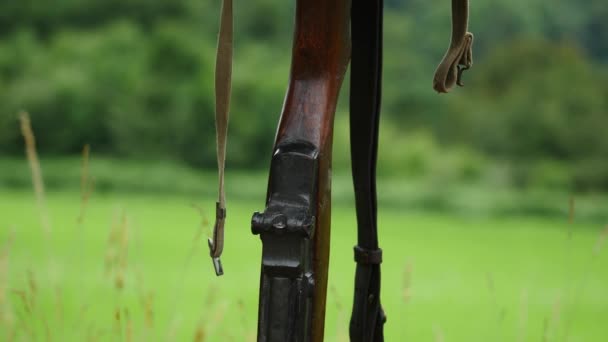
(295, 226)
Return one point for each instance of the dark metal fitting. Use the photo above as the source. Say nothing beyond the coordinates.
(382, 316)
(280, 223)
(310, 284)
(217, 263)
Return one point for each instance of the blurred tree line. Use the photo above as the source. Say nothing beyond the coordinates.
(135, 78)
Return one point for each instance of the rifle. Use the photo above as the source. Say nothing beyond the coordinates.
(295, 225)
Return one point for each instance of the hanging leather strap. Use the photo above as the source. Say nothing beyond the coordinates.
(459, 56)
(367, 319)
(223, 81)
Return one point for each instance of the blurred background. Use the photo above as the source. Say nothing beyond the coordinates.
(500, 187)
(134, 80)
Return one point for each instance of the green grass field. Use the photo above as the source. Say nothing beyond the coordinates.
(136, 269)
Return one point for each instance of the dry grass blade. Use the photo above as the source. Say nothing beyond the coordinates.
(33, 288)
(117, 252)
(34, 163)
(25, 317)
(407, 282)
(551, 324)
(117, 322)
(91, 334)
(556, 314)
(199, 333)
(173, 328)
(336, 295)
(24, 300)
(148, 305)
(128, 326)
(601, 241)
(86, 184)
(242, 312)
(204, 224)
(47, 329)
(7, 319)
(501, 311)
(523, 319)
(146, 301)
(546, 330)
(599, 244)
(217, 318)
(571, 212)
(250, 335)
(439, 336)
(59, 304)
(492, 290)
(341, 330)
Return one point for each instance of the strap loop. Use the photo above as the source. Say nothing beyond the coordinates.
(368, 256)
(220, 213)
(459, 56)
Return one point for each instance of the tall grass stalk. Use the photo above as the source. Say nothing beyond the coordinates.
(407, 282)
(34, 163)
(86, 184)
(7, 319)
(599, 245)
(523, 316)
(341, 322)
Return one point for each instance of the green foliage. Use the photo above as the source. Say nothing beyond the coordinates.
(457, 182)
(552, 106)
(135, 78)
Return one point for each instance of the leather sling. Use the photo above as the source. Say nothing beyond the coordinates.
(366, 73)
(367, 317)
(223, 82)
(459, 56)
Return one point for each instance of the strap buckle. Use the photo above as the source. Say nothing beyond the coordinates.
(217, 263)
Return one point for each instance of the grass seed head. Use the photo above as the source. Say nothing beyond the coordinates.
(117, 252)
(34, 162)
(199, 333)
(148, 305)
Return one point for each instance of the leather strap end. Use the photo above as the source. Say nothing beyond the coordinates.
(216, 245)
(456, 61)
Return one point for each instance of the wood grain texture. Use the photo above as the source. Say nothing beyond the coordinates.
(321, 52)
